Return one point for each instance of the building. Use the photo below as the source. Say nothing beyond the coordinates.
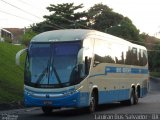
(14, 34)
(5, 34)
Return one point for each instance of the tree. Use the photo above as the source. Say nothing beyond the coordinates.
(125, 29)
(26, 38)
(153, 46)
(104, 19)
(101, 17)
(63, 16)
(94, 12)
(154, 59)
(42, 27)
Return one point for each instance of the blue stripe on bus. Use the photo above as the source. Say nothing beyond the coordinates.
(111, 69)
(111, 96)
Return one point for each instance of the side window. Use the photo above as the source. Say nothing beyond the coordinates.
(141, 57)
(103, 52)
(145, 61)
(134, 56)
(119, 53)
(99, 52)
(129, 58)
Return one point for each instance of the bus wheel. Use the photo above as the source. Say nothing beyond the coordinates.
(47, 110)
(92, 105)
(136, 97)
(132, 98)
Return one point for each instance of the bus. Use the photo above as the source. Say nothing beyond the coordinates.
(75, 68)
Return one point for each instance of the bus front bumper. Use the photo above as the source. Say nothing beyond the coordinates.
(46, 99)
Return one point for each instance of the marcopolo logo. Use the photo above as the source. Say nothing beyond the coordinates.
(47, 96)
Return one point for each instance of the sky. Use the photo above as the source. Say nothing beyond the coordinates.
(145, 14)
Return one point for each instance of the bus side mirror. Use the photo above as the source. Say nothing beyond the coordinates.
(87, 65)
(19, 53)
(82, 66)
(80, 55)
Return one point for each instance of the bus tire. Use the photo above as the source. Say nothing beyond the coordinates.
(47, 110)
(132, 98)
(136, 97)
(93, 103)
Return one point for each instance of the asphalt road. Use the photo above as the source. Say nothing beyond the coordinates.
(148, 108)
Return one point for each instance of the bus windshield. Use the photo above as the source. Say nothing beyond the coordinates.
(51, 64)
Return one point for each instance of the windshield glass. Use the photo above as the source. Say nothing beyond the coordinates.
(51, 64)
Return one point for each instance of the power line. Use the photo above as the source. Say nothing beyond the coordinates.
(24, 2)
(28, 4)
(20, 9)
(15, 16)
(27, 13)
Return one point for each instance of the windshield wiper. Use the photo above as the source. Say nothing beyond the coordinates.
(48, 71)
(40, 78)
(56, 74)
(45, 71)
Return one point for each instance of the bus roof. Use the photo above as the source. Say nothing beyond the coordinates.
(77, 34)
(62, 35)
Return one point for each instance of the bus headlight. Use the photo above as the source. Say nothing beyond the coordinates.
(28, 92)
(70, 92)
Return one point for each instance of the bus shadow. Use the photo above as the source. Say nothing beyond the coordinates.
(83, 111)
(109, 107)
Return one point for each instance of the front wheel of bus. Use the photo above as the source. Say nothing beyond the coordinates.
(47, 110)
(92, 105)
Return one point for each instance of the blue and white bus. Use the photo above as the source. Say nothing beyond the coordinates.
(83, 68)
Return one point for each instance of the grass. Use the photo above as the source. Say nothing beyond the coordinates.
(155, 74)
(11, 75)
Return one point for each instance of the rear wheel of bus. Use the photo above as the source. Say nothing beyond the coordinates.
(133, 98)
(136, 97)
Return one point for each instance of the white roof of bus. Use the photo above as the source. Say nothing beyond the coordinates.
(62, 35)
(77, 34)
